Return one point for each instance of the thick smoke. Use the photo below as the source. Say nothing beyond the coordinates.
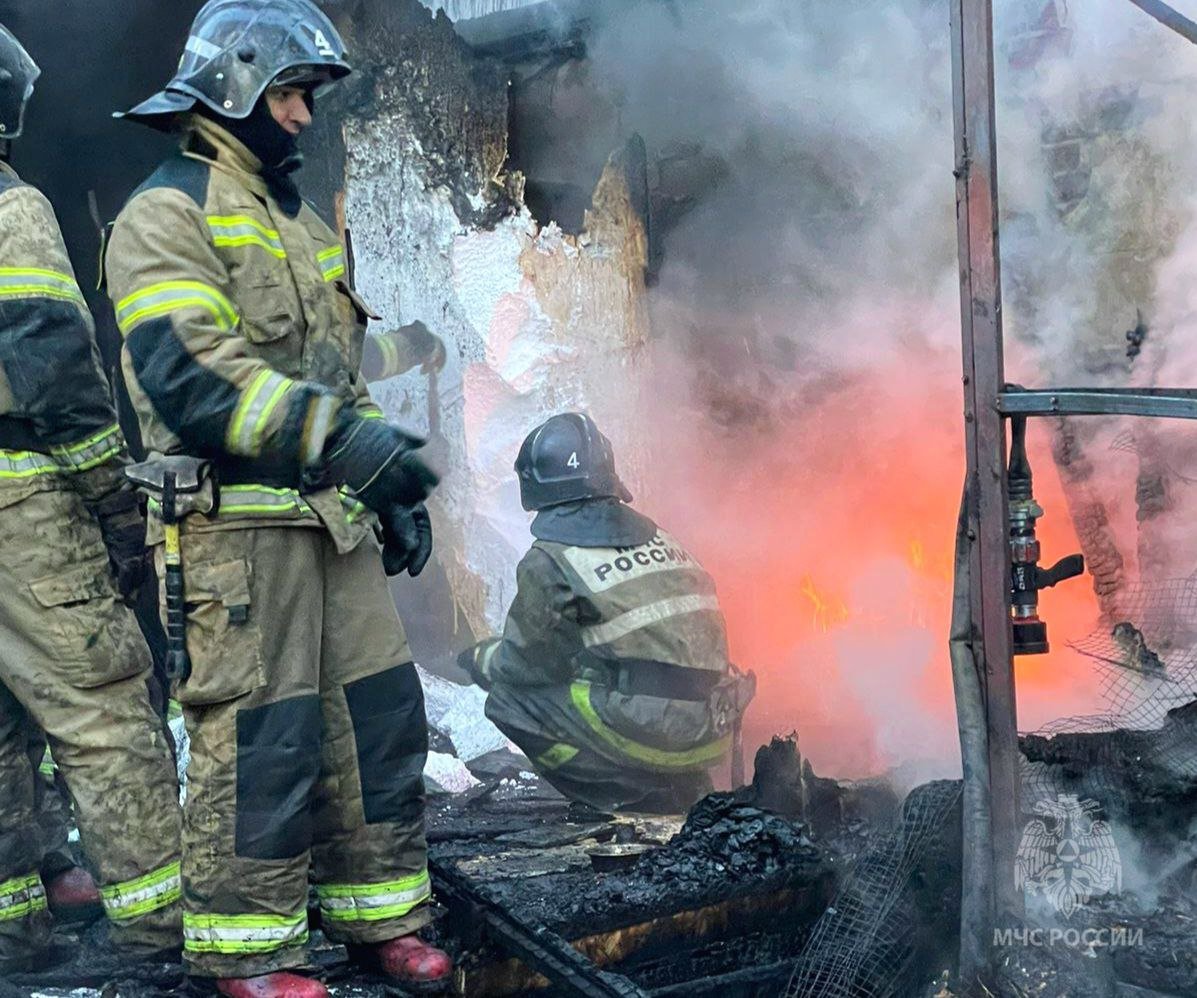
(808, 435)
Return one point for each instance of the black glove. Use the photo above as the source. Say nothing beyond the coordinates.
(469, 660)
(122, 526)
(406, 539)
(379, 463)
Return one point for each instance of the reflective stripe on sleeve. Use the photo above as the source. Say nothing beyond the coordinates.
(253, 411)
(243, 933)
(645, 616)
(241, 230)
(332, 263)
(21, 896)
(16, 464)
(703, 755)
(173, 296)
(373, 902)
(89, 453)
(145, 894)
(31, 282)
(72, 458)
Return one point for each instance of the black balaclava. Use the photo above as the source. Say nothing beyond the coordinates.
(277, 148)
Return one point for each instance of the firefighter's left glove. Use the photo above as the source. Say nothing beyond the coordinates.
(122, 526)
(406, 539)
(379, 463)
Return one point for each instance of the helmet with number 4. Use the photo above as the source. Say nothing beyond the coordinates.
(238, 48)
(18, 73)
(567, 459)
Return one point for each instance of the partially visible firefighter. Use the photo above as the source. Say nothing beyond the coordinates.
(73, 665)
(242, 346)
(612, 674)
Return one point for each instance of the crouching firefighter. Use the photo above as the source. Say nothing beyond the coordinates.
(73, 665)
(242, 342)
(612, 674)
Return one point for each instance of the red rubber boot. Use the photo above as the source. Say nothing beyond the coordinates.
(410, 962)
(280, 985)
(74, 897)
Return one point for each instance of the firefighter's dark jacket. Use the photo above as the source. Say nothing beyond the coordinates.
(58, 427)
(631, 633)
(242, 337)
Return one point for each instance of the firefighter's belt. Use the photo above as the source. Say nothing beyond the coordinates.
(640, 677)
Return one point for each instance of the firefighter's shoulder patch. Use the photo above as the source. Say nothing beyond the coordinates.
(180, 173)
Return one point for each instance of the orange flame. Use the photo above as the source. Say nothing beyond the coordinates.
(827, 611)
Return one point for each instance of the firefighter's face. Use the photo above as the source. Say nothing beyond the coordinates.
(289, 107)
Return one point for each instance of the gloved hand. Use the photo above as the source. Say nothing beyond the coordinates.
(406, 539)
(122, 526)
(379, 463)
(470, 661)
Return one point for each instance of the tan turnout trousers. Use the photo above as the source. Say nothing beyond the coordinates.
(73, 661)
(308, 742)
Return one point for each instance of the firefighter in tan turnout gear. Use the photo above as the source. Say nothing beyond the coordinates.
(612, 673)
(72, 660)
(242, 343)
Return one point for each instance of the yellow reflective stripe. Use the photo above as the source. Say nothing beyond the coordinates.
(255, 499)
(243, 933)
(25, 464)
(171, 296)
(332, 262)
(262, 499)
(390, 354)
(253, 411)
(131, 898)
(373, 902)
(661, 758)
(33, 282)
(89, 453)
(241, 230)
(557, 756)
(21, 896)
(646, 616)
(352, 507)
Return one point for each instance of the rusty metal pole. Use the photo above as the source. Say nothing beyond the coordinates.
(989, 859)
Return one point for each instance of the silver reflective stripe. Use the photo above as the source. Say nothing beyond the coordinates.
(645, 616)
(170, 296)
(241, 230)
(21, 896)
(253, 411)
(332, 263)
(243, 933)
(25, 464)
(133, 898)
(89, 453)
(203, 48)
(33, 282)
(262, 499)
(373, 902)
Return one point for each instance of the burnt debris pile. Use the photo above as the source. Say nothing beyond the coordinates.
(723, 839)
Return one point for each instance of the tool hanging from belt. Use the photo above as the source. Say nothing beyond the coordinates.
(178, 485)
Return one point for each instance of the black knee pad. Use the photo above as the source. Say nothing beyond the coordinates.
(278, 764)
(387, 710)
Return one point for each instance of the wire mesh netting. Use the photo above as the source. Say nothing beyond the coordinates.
(863, 944)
